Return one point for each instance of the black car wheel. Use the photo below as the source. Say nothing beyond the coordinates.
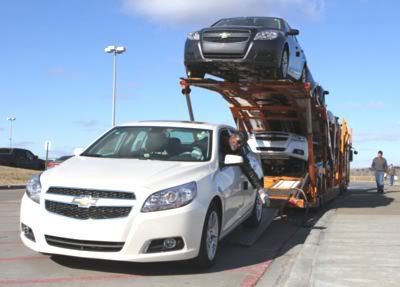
(304, 77)
(209, 238)
(284, 65)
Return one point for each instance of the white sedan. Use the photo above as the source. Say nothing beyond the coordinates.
(143, 192)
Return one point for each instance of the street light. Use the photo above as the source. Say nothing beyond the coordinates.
(11, 119)
(114, 50)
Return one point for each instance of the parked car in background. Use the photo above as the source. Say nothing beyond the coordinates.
(144, 192)
(58, 161)
(246, 47)
(22, 158)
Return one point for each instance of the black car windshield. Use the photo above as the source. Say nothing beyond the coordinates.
(271, 23)
(154, 143)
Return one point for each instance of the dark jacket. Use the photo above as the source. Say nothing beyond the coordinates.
(379, 164)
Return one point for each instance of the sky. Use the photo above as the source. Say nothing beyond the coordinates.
(56, 79)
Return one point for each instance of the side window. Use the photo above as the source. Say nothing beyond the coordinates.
(20, 155)
(29, 155)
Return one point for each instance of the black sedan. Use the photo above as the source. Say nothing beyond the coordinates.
(246, 48)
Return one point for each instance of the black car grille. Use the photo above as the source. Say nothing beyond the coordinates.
(84, 245)
(92, 193)
(230, 36)
(93, 212)
(223, 56)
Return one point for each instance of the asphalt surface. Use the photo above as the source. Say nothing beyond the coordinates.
(278, 253)
(355, 243)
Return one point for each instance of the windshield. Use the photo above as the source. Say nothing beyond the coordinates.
(271, 23)
(154, 143)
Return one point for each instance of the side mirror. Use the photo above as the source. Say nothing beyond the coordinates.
(231, 159)
(326, 92)
(293, 32)
(78, 151)
(35, 157)
(355, 152)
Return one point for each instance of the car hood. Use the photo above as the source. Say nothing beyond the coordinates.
(123, 174)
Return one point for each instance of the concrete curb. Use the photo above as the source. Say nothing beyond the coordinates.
(300, 275)
(12, 186)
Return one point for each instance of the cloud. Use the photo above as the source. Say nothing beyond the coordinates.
(88, 124)
(23, 144)
(208, 11)
(376, 137)
(371, 105)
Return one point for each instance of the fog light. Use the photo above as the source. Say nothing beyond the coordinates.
(169, 243)
(165, 245)
(298, 151)
(28, 232)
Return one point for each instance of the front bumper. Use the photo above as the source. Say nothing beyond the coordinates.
(136, 231)
(259, 54)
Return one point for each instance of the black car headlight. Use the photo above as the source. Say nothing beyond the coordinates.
(194, 36)
(266, 35)
(33, 188)
(170, 198)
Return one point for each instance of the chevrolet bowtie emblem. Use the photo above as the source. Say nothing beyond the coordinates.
(85, 201)
(224, 35)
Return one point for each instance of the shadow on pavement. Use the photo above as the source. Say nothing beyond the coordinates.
(279, 238)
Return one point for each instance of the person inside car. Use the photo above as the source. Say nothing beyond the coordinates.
(235, 145)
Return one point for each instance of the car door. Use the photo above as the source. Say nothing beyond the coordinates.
(295, 55)
(229, 181)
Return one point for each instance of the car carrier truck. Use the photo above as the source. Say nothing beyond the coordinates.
(305, 150)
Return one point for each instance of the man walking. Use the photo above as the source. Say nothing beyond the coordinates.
(379, 165)
(391, 173)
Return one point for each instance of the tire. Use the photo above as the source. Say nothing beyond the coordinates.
(303, 77)
(256, 215)
(284, 65)
(195, 74)
(209, 238)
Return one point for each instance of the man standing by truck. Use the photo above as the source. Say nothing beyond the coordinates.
(379, 165)
(391, 173)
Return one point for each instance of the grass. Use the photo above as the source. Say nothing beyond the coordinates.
(12, 175)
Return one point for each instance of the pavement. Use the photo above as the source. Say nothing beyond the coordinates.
(355, 243)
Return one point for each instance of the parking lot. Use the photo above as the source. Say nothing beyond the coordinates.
(237, 264)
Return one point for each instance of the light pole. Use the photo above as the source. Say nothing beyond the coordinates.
(11, 119)
(114, 50)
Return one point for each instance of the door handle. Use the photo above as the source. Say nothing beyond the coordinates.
(245, 185)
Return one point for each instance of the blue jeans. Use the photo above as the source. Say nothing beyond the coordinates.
(391, 177)
(379, 177)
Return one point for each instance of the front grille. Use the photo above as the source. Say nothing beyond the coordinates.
(223, 56)
(228, 36)
(92, 193)
(84, 245)
(271, 138)
(93, 212)
(270, 149)
(225, 40)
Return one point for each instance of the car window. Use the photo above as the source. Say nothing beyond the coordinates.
(154, 143)
(271, 23)
(29, 155)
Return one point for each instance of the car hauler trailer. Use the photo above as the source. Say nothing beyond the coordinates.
(272, 110)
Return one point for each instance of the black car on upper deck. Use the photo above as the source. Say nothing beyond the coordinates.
(246, 48)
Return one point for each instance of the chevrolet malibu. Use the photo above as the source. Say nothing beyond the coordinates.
(143, 192)
(246, 47)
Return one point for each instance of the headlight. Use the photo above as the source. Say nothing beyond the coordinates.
(33, 188)
(195, 36)
(173, 197)
(266, 35)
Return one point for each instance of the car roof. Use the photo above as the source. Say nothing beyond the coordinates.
(178, 124)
